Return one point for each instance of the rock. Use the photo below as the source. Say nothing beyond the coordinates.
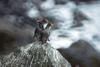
(61, 1)
(79, 16)
(34, 55)
(81, 54)
(12, 36)
(6, 41)
(84, 1)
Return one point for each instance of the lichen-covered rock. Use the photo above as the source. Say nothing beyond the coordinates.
(34, 55)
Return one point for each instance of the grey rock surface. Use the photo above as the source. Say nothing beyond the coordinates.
(34, 55)
(81, 54)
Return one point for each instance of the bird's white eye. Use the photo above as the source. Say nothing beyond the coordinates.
(45, 25)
